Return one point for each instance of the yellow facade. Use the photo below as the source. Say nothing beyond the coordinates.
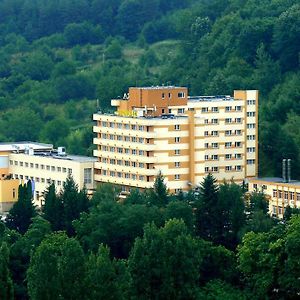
(279, 194)
(203, 135)
(8, 193)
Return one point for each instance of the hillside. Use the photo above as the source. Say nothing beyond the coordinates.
(58, 57)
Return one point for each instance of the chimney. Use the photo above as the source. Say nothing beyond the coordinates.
(284, 170)
(289, 170)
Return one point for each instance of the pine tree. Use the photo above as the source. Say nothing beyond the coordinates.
(20, 215)
(159, 195)
(53, 208)
(205, 208)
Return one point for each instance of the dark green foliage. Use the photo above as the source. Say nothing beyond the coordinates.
(164, 263)
(6, 284)
(106, 278)
(53, 208)
(56, 269)
(21, 214)
(159, 195)
(205, 207)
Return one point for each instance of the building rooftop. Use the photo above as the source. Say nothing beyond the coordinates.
(159, 87)
(55, 155)
(211, 98)
(21, 146)
(276, 180)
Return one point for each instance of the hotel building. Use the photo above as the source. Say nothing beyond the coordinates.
(43, 165)
(162, 129)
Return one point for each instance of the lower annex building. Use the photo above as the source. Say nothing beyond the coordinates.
(43, 165)
(162, 129)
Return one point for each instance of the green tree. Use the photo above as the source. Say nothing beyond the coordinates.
(6, 284)
(159, 195)
(106, 278)
(21, 214)
(53, 208)
(56, 269)
(164, 263)
(205, 207)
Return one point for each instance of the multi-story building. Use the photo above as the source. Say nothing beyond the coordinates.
(162, 129)
(279, 193)
(43, 165)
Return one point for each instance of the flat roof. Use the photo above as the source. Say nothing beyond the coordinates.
(158, 87)
(275, 180)
(210, 98)
(21, 146)
(51, 155)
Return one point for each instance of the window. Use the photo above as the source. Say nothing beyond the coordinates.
(141, 177)
(16, 163)
(228, 168)
(250, 125)
(133, 127)
(141, 128)
(21, 163)
(112, 161)
(214, 157)
(286, 195)
(214, 109)
(87, 176)
(111, 137)
(228, 108)
(177, 152)
(127, 175)
(205, 157)
(141, 165)
(133, 177)
(181, 110)
(215, 169)
(48, 168)
(112, 173)
(134, 152)
(127, 163)
(163, 95)
(26, 165)
(251, 114)
(177, 176)
(214, 121)
(69, 171)
(250, 161)
(134, 164)
(251, 102)
(177, 139)
(177, 164)
(104, 124)
(127, 138)
(206, 169)
(11, 162)
(120, 150)
(214, 145)
(177, 127)
(204, 109)
(119, 174)
(237, 156)
(127, 151)
(228, 132)
(228, 144)
(274, 193)
(53, 168)
(250, 137)
(58, 182)
(119, 125)
(141, 140)
(228, 156)
(119, 162)
(238, 144)
(238, 108)
(64, 170)
(126, 126)
(112, 149)
(238, 120)
(181, 95)
(214, 133)
(206, 145)
(14, 193)
(228, 120)
(206, 133)
(238, 132)
(111, 124)
(36, 166)
(141, 152)
(206, 121)
(134, 139)
(238, 168)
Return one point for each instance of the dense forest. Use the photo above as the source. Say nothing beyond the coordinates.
(58, 57)
(216, 242)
